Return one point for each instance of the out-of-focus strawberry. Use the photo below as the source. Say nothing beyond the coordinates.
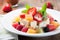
(7, 8)
(49, 5)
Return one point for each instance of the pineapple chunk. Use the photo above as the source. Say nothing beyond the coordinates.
(31, 31)
(17, 19)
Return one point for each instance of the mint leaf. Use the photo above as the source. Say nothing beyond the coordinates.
(44, 15)
(24, 11)
(27, 6)
(44, 8)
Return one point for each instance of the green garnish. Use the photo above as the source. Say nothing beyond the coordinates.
(44, 8)
(45, 16)
(27, 8)
(24, 11)
(43, 11)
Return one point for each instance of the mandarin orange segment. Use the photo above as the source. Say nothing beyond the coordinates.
(56, 24)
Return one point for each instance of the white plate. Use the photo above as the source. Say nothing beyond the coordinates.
(7, 23)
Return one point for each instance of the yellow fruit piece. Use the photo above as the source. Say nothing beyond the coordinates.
(56, 24)
(31, 31)
(17, 19)
(29, 18)
(40, 30)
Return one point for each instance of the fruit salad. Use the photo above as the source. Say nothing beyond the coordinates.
(33, 21)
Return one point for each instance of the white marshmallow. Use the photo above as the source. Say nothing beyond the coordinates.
(33, 24)
(24, 22)
(44, 23)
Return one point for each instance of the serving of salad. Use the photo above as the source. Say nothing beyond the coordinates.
(35, 21)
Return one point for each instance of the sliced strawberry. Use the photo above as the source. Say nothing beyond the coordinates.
(24, 29)
(51, 27)
(22, 16)
(32, 11)
(19, 27)
(15, 25)
(37, 17)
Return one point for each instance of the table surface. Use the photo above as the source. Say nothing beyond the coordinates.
(37, 3)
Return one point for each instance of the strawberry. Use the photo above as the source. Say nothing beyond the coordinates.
(37, 17)
(24, 29)
(49, 5)
(22, 16)
(51, 27)
(19, 27)
(15, 25)
(50, 18)
(32, 11)
(7, 8)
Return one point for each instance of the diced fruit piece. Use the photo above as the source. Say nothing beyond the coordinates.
(44, 23)
(24, 22)
(22, 16)
(49, 5)
(40, 30)
(51, 18)
(33, 24)
(29, 18)
(24, 29)
(46, 29)
(37, 17)
(56, 24)
(7, 8)
(51, 27)
(15, 25)
(19, 27)
(17, 19)
(31, 31)
(32, 11)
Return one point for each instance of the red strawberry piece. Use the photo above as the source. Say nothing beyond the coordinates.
(22, 16)
(49, 5)
(15, 25)
(50, 18)
(7, 8)
(51, 27)
(37, 17)
(19, 27)
(24, 29)
(32, 11)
